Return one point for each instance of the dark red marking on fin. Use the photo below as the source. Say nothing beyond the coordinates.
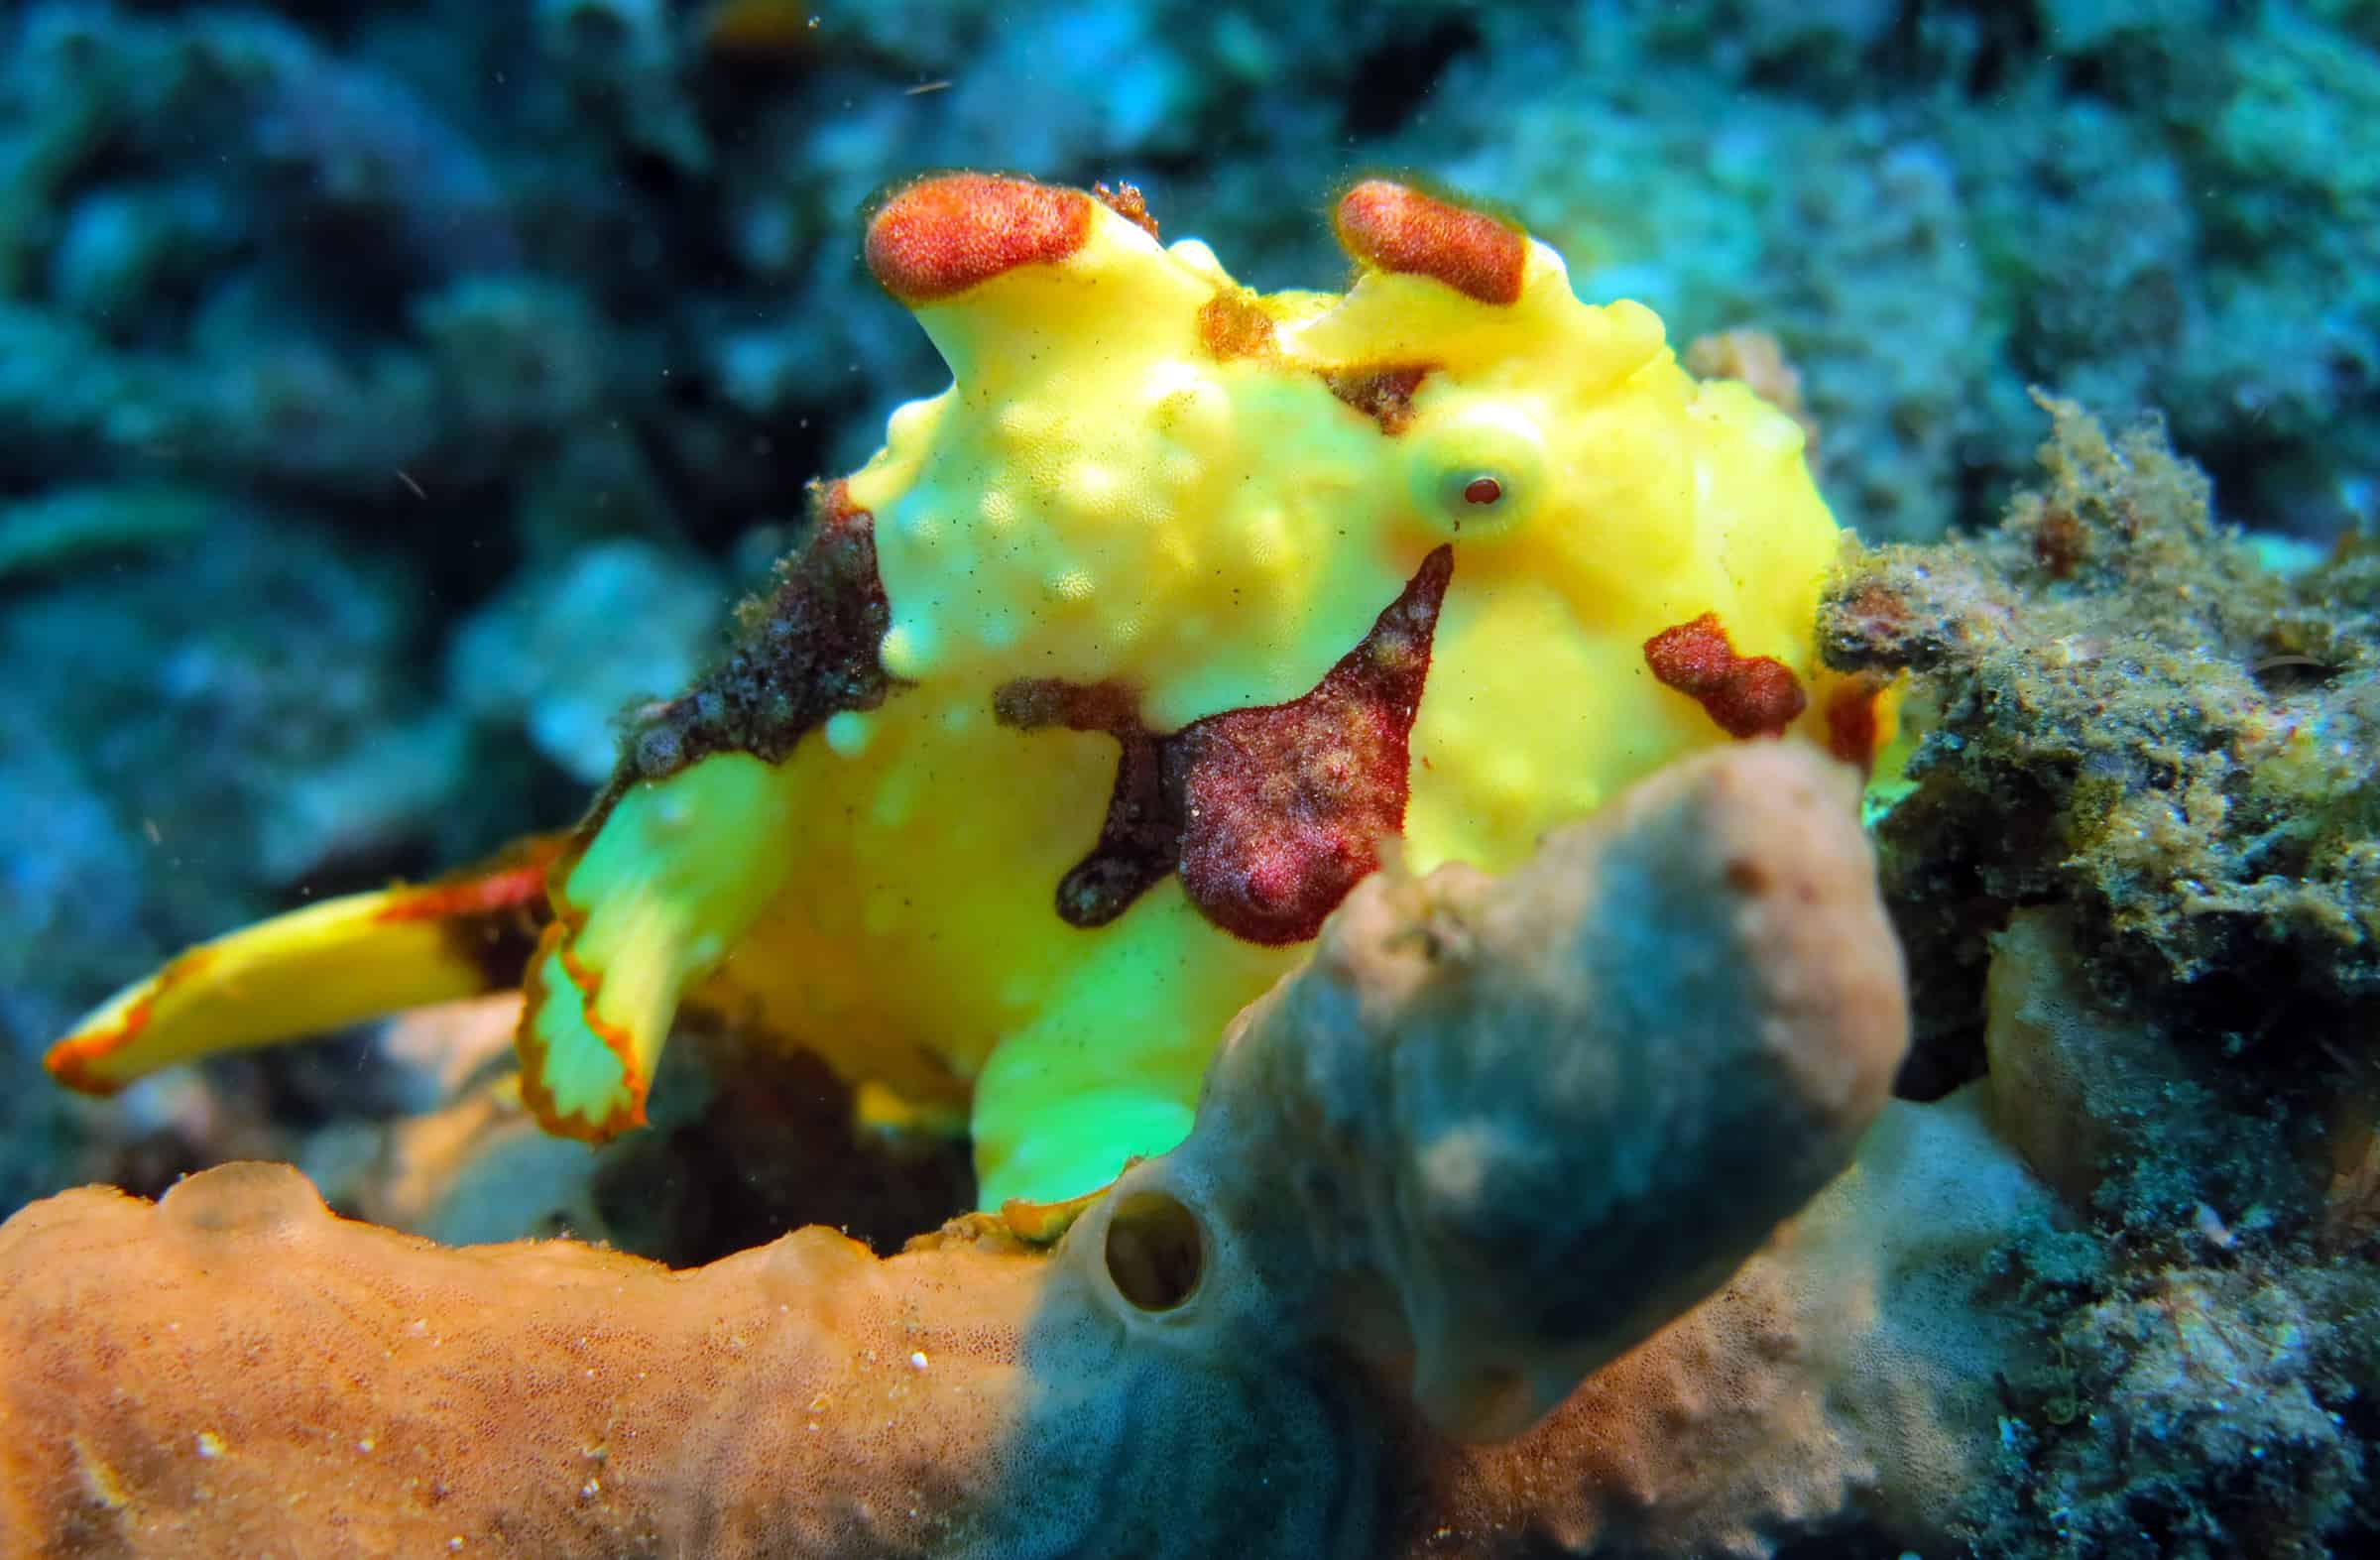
(1139, 841)
(1287, 803)
(1746, 696)
(945, 234)
(1394, 227)
(474, 893)
(1271, 813)
(490, 914)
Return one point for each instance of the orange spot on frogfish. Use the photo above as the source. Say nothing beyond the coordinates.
(945, 234)
(1393, 227)
(1744, 695)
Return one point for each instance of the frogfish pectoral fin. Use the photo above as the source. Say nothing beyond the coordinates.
(659, 888)
(340, 962)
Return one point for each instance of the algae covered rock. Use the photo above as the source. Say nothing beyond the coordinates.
(2133, 714)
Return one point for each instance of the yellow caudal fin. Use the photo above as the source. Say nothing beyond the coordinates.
(674, 873)
(337, 963)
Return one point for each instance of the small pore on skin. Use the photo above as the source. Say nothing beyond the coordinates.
(1744, 695)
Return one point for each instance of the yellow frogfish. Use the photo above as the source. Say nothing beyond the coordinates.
(1082, 703)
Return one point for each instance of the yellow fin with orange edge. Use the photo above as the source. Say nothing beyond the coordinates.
(342, 961)
(666, 883)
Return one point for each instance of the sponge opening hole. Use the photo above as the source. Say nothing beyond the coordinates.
(1156, 1251)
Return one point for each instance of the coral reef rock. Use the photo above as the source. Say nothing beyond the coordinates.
(2134, 715)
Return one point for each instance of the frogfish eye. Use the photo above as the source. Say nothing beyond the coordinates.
(1477, 470)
